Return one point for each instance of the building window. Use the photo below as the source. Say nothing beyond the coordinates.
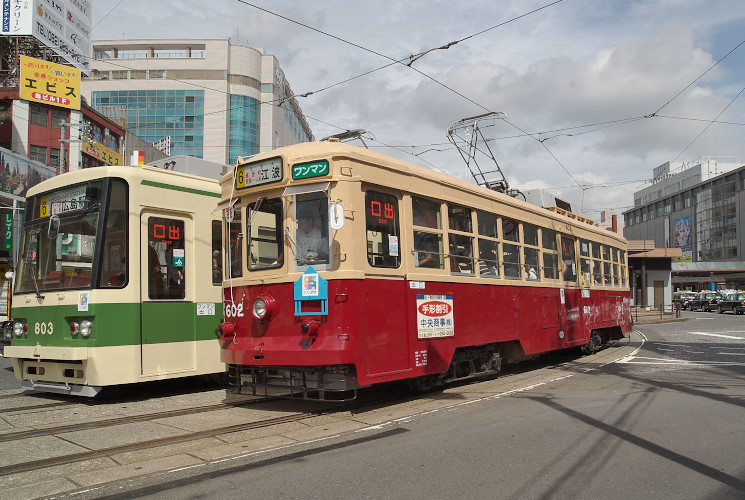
(54, 160)
(38, 153)
(59, 116)
(39, 115)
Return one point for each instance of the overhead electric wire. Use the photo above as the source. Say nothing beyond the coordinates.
(710, 124)
(699, 77)
(414, 58)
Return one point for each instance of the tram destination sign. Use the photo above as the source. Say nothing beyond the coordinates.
(258, 173)
(310, 169)
(66, 200)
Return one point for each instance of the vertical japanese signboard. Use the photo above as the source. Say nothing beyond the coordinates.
(50, 83)
(8, 244)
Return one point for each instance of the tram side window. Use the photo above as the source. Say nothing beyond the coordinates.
(461, 254)
(115, 262)
(532, 253)
(531, 264)
(624, 269)
(382, 230)
(166, 258)
(568, 258)
(216, 252)
(264, 222)
(459, 218)
(510, 230)
(616, 275)
(234, 243)
(426, 213)
(311, 233)
(511, 258)
(487, 224)
(428, 250)
(550, 254)
(597, 265)
(585, 262)
(488, 258)
(427, 245)
(606, 273)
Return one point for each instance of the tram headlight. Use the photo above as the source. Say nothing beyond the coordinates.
(263, 307)
(86, 326)
(19, 328)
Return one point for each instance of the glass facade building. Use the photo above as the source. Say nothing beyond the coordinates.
(244, 127)
(156, 114)
(697, 211)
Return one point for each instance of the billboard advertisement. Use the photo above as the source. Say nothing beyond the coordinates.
(683, 238)
(18, 173)
(50, 83)
(62, 25)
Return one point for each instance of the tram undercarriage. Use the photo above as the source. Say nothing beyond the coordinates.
(339, 383)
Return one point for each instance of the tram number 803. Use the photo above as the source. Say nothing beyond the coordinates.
(43, 328)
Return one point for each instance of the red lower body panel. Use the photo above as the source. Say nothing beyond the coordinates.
(389, 330)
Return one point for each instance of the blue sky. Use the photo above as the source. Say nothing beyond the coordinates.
(568, 65)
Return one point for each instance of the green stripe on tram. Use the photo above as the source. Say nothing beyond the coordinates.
(180, 188)
(116, 324)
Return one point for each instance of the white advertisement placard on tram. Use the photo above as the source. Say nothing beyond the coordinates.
(434, 316)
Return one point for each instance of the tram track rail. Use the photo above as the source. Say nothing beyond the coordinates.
(37, 406)
(172, 440)
(129, 419)
(375, 401)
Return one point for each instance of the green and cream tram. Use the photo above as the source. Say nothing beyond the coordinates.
(118, 280)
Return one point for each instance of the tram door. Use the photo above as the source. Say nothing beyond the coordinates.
(168, 332)
(571, 303)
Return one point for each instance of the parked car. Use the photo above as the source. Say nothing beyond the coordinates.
(734, 302)
(706, 301)
(683, 298)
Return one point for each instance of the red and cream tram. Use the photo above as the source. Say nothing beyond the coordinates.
(346, 268)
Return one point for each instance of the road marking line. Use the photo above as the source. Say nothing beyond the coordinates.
(732, 353)
(667, 350)
(676, 362)
(718, 335)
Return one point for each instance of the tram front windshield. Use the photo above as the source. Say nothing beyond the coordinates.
(59, 243)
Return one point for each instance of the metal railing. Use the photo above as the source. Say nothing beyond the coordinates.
(649, 313)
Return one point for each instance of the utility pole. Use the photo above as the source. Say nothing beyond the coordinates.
(85, 131)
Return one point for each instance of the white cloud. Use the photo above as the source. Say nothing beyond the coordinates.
(571, 64)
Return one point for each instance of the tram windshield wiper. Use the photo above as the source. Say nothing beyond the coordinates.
(36, 283)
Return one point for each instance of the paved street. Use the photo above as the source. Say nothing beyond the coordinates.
(657, 415)
(665, 421)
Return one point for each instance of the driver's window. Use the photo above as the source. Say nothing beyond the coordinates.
(311, 229)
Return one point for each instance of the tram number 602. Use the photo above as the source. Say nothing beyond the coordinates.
(234, 310)
(43, 328)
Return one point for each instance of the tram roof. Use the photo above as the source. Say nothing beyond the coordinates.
(124, 171)
(309, 151)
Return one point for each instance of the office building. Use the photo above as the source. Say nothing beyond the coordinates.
(206, 98)
(697, 207)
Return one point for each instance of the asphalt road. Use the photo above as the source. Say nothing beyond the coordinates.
(666, 422)
(7, 379)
